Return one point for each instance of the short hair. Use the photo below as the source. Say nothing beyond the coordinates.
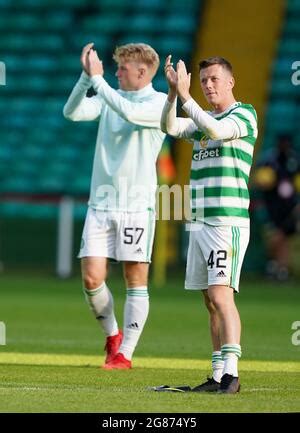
(216, 61)
(138, 52)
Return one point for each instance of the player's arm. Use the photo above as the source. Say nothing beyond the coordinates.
(146, 113)
(170, 123)
(78, 106)
(176, 126)
(224, 129)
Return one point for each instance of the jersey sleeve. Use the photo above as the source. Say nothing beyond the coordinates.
(233, 126)
(246, 120)
(79, 106)
(145, 113)
(179, 127)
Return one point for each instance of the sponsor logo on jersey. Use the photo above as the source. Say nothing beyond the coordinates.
(208, 153)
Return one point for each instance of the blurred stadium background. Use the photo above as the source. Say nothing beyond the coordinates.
(45, 161)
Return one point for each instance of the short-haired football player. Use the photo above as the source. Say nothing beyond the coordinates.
(223, 142)
(120, 221)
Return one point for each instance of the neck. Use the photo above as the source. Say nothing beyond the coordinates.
(219, 108)
(138, 87)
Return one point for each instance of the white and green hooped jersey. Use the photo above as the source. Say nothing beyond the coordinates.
(221, 168)
(221, 161)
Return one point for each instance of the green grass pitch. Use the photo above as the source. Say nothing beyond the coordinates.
(54, 347)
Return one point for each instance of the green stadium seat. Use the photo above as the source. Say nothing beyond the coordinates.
(20, 184)
(282, 66)
(108, 23)
(48, 4)
(42, 63)
(280, 110)
(191, 5)
(160, 84)
(80, 211)
(293, 6)
(19, 22)
(283, 86)
(179, 46)
(115, 4)
(28, 209)
(151, 5)
(292, 27)
(146, 23)
(58, 20)
(70, 63)
(34, 152)
(5, 152)
(181, 23)
(55, 184)
(80, 184)
(134, 36)
(102, 42)
(290, 46)
(27, 42)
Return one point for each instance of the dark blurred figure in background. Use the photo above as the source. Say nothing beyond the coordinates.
(277, 182)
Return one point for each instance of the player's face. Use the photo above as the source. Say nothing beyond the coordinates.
(128, 74)
(216, 83)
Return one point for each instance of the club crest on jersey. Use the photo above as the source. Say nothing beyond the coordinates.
(208, 153)
(204, 142)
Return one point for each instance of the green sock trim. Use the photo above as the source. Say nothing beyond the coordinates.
(94, 292)
(217, 358)
(231, 348)
(138, 292)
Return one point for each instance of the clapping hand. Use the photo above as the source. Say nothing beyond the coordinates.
(95, 65)
(183, 82)
(84, 57)
(170, 73)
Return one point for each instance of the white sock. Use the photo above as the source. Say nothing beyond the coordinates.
(217, 365)
(231, 354)
(135, 315)
(101, 303)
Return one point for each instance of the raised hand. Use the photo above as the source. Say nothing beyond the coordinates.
(84, 55)
(94, 63)
(183, 82)
(170, 73)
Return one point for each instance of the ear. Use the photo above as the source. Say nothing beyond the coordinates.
(232, 82)
(142, 72)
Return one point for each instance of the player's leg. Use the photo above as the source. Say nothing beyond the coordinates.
(97, 241)
(224, 250)
(136, 307)
(196, 279)
(134, 248)
(97, 294)
(214, 321)
(222, 298)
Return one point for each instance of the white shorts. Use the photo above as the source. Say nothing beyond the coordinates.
(215, 256)
(122, 236)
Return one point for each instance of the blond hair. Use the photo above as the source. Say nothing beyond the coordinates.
(140, 53)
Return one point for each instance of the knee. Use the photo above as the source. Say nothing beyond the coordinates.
(219, 301)
(92, 281)
(135, 275)
(210, 306)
